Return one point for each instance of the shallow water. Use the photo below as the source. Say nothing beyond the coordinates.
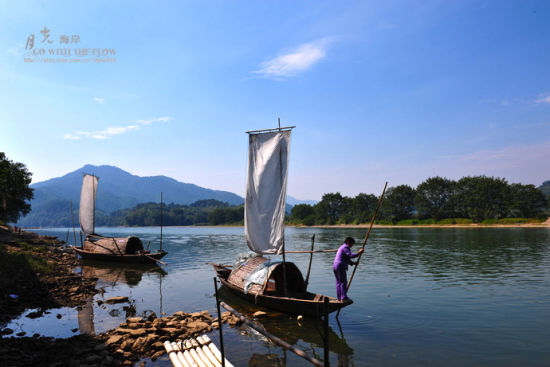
(423, 296)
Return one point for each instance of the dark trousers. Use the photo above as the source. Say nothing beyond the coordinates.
(341, 282)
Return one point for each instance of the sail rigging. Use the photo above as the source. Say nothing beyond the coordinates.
(266, 191)
(86, 213)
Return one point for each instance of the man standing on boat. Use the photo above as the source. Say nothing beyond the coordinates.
(340, 267)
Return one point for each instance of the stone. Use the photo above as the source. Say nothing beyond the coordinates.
(260, 314)
(197, 326)
(92, 359)
(132, 320)
(113, 339)
(216, 324)
(157, 345)
(138, 332)
(119, 299)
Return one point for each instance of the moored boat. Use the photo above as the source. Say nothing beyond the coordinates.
(114, 249)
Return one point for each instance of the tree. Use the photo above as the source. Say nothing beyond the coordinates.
(482, 197)
(363, 207)
(398, 203)
(434, 198)
(14, 189)
(330, 208)
(527, 201)
(300, 212)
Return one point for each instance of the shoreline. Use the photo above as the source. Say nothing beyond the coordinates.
(545, 224)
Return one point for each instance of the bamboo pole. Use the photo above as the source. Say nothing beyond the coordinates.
(365, 240)
(310, 259)
(325, 337)
(273, 338)
(219, 320)
(309, 252)
(74, 230)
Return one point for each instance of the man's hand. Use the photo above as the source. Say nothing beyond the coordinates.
(360, 251)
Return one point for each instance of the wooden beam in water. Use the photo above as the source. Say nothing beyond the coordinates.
(272, 337)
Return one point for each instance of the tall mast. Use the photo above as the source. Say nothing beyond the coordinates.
(93, 201)
(161, 220)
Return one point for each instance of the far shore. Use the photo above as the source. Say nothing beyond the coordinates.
(545, 224)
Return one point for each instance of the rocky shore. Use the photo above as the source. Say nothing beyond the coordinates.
(37, 273)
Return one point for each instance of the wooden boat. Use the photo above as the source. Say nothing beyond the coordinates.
(279, 286)
(271, 293)
(144, 257)
(95, 247)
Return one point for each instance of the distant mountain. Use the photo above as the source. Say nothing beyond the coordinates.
(293, 201)
(117, 189)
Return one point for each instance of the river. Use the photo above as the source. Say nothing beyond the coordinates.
(422, 296)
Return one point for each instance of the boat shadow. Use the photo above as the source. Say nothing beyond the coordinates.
(305, 334)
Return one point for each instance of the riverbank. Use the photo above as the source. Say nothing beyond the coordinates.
(545, 224)
(37, 275)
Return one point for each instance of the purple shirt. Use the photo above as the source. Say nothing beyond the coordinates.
(343, 257)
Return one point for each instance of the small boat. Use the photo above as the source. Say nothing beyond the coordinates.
(115, 249)
(276, 285)
(269, 291)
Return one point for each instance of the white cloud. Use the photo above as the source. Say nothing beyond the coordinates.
(295, 61)
(114, 130)
(99, 100)
(71, 137)
(544, 99)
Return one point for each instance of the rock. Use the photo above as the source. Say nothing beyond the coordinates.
(127, 344)
(123, 331)
(169, 331)
(73, 290)
(152, 316)
(58, 316)
(180, 314)
(132, 320)
(157, 354)
(138, 332)
(300, 318)
(260, 314)
(127, 363)
(119, 299)
(197, 326)
(157, 345)
(22, 333)
(216, 324)
(6, 331)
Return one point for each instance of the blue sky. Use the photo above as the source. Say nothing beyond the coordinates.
(397, 91)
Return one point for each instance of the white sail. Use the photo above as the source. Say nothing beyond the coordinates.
(86, 213)
(264, 210)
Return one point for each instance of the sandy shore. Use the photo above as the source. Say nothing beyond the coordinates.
(545, 224)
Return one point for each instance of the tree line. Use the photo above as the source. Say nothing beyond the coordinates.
(202, 212)
(470, 199)
(436, 200)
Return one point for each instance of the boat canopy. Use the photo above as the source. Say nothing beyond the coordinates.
(260, 276)
(113, 246)
(264, 210)
(86, 212)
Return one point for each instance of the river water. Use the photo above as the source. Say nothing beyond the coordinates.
(422, 296)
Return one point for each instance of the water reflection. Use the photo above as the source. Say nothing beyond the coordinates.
(111, 275)
(305, 334)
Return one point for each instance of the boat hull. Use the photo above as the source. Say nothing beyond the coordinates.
(150, 258)
(308, 303)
